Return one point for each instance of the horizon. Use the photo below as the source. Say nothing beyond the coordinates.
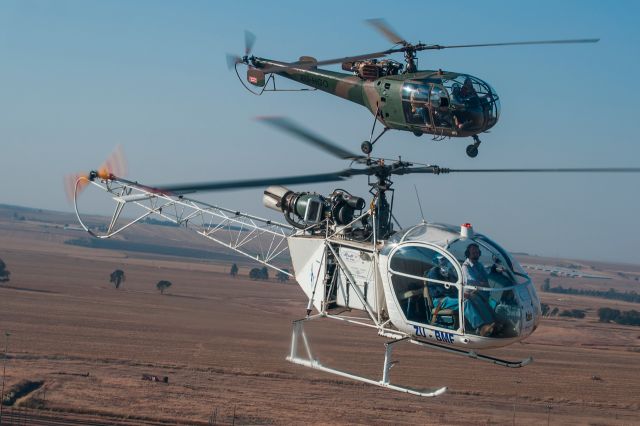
(514, 253)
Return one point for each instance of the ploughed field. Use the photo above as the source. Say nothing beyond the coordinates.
(222, 342)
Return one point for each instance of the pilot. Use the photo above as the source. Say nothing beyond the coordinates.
(467, 91)
(472, 270)
(478, 310)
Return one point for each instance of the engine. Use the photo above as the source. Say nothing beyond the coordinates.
(373, 69)
(305, 209)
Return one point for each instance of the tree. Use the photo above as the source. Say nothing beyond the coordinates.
(259, 274)
(608, 314)
(163, 285)
(631, 317)
(282, 276)
(545, 309)
(117, 277)
(573, 313)
(4, 273)
(234, 270)
(546, 285)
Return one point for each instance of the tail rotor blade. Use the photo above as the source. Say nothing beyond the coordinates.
(249, 41)
(232, 60)
(114, 166)
(75, 182)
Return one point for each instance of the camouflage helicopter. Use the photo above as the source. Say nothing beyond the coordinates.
(352, 259)
(441, 103)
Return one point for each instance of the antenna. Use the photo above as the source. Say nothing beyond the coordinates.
(419, 203)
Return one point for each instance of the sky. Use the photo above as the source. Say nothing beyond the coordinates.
(78, 77)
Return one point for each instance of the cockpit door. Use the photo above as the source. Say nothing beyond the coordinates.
(426, 282)
(439, 107)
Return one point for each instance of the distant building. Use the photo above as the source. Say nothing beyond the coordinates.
(564, 272)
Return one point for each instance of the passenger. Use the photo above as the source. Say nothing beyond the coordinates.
(478, 310)
(418, 100)
(442, 271)
(443, 298)
(460, 120)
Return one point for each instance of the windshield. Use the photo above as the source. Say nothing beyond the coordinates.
(493, 268)
(473, 285)
(474, 103)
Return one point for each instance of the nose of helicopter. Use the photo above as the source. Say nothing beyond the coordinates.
(475, 104)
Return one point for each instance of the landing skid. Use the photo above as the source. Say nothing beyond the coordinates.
(310, 362)
(475, 355)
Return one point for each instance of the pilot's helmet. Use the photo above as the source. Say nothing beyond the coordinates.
(443, 266)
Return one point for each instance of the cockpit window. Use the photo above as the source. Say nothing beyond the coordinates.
(485, 300)
(491, 269)
(474, 103)
(426, 104)
(493, 306)
(426, 283)
(415, 99)
(514, 265)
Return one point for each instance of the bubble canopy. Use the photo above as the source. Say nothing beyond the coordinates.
(456, 103)
(452, 278)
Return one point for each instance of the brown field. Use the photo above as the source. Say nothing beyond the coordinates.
(222, 343)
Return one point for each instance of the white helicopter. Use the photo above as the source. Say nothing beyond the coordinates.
(437, 286)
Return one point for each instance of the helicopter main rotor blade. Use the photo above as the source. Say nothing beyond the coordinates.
(383, 27)
(254, 183)
(550, 170)
(514, 43)
(306, 64)
(405, 169)
(289, 126)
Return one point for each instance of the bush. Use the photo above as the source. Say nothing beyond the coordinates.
(608, 314)
(282, 276)
(4, 273)
(163, 285)
(117, 277)
(573, 313)
(259, 274)
(629, 318)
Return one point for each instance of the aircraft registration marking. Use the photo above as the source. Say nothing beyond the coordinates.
(440, 336)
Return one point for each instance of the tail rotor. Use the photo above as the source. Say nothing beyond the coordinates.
(114, 166)
(249, 41)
